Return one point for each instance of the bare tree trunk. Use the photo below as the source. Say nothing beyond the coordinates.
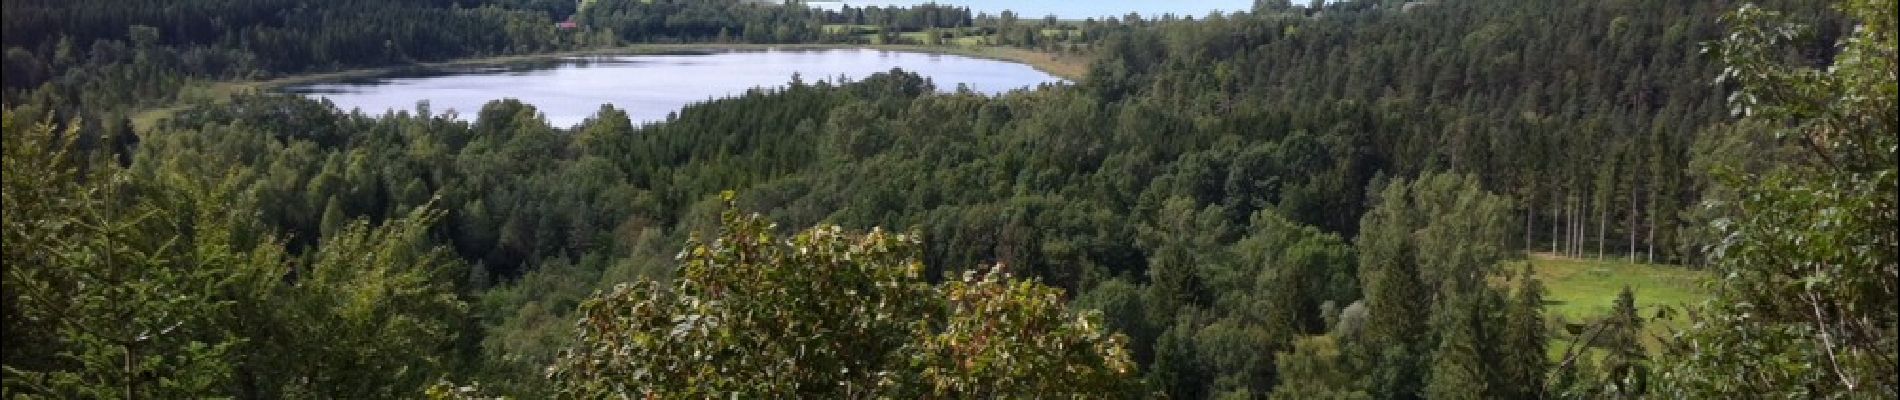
(1652, 235)
(1570, 226)
(1529, 213)
(1577, 213)
(1631, 226)
(1556, 210)
(1603, 226)
(1580, 218)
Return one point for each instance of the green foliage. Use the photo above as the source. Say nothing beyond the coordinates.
(1393, 293)
(1626, 364)
(1623, 369)
(1004, 337)
(1315, 368)
(1458, 371)
(1123, 309)
(95, 304)
(1525, 366)
(162, 287)
(827, 313)
(372, 315)
(109, 56)
(1195, 187)
(1806, 301)
(1174, 275)
(1429, 248)
(1301, 268)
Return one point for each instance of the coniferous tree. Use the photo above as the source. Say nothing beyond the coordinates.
(1458, 369)
(1393, 291)
(1525, 363)
(1625, 364)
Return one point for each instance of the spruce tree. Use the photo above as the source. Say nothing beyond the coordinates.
(1625, 364)
(1458, 367)
(1525, 363)
(1393, 291)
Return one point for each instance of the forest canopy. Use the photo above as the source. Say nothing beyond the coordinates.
(1332, 200)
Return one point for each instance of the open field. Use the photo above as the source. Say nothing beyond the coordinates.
(850, 28)
(1579, 291)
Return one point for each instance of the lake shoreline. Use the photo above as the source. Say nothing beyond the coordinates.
(1070, 67)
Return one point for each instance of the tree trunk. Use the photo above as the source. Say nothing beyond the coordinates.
(1651, 241)
(1556, 210)
(1570, 226)
(1603, 225)
(1631, 226)
(1529, 213)
(1579, 224)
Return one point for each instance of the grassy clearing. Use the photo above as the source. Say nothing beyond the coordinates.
(849, 28)
(1580, 291)
(916, 37)
(1585, 288)
(1067, 66)
(1059, 32)
(970, 40)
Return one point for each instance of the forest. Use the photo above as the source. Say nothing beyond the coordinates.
(1334, 200)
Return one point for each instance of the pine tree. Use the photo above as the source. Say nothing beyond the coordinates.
(1177, 369)
(1525, 363)
(1393, 292)
(1626, 363)
(1458, 369)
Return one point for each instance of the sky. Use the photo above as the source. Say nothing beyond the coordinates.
(1079, 9)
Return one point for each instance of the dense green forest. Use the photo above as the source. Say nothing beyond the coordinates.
(1322, 201)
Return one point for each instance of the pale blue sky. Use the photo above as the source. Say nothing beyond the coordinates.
(1078, 9)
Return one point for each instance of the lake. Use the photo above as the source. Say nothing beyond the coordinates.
(649, 87)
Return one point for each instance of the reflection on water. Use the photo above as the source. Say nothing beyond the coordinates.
(650, 87)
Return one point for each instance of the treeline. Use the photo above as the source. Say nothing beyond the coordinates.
(1584, 113)
(700, 21)
(914, 18)
(116, 55)
(744, 21)
(98, 61)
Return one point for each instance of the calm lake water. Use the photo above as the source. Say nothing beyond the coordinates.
(649, 87)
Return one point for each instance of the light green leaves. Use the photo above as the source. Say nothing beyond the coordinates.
(828, 313)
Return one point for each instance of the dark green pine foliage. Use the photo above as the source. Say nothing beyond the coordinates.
(1458, 368)
(1428, 252)
(1393, 293)
(1625, 363)
(1524, 360)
